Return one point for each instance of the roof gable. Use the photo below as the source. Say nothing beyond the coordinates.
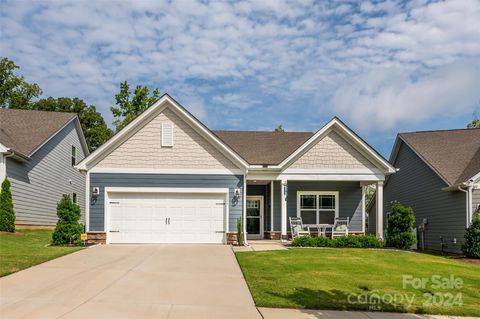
(454, 155)
(353, 140)
(161, 104)
(25, 131)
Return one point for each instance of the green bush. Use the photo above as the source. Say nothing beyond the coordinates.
(68, 229)
(471, 246)
(368, 241)
(7, 214)
(400, 227)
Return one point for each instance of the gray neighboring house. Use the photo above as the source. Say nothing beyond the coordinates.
(38, 152)
(167, 178)
(439, 177)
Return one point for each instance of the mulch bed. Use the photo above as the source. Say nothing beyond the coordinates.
(11, 234)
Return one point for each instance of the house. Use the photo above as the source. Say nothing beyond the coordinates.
(439, 177)
(167, 178)
(38, 152)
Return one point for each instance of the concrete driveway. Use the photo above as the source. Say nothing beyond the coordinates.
(131, 281)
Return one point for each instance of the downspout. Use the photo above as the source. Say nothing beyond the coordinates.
(4, 168)
(468, 196)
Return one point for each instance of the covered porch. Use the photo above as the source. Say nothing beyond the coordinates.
(270, 202)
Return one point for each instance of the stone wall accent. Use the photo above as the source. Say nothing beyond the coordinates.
(333, 151)
(273, 235)
(232, 239)
(97, 238)
(190, 150)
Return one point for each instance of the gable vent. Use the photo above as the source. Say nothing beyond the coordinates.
(167, 134)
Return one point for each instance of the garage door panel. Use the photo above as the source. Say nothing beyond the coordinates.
(166, 218)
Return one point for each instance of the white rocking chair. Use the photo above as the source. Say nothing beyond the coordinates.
(340, 227)
(297, 228)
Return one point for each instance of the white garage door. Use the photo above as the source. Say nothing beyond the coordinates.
(166, 218)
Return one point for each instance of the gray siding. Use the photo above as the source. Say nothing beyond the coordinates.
(372, 221)
(103, 180)
(350, 198)
(417, 186)
(277, 202)
(475, 200)
(38, 184)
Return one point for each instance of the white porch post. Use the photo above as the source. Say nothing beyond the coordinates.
(283, 209)
(244, 204)
(363, 208)
(271, 206)
(379, 205)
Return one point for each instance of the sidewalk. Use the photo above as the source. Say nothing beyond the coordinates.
(276, 313)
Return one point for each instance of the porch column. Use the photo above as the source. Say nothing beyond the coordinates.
(271, 206)
(363, 208)
(379, 205)
(283, 209)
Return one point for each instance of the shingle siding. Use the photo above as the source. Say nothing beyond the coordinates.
(350, 198)
(38, 184)
(416, 185)
(103, 180)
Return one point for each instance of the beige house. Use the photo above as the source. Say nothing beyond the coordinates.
(167, 178)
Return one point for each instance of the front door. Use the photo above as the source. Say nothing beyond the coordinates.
(254, 217)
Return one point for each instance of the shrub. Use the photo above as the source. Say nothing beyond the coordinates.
(68, 229)
(240, 231)
(471, 246)
(369, 241)
(7, 214)
(400, 227)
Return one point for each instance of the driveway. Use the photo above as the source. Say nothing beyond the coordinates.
(131, 281)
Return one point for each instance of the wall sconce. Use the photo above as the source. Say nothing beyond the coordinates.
(95, 193)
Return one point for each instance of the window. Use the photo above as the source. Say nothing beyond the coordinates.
(74, 197)
(167, 134)
(74, 156)
(317, 207)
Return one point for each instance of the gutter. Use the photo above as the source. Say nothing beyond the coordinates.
(468, 192)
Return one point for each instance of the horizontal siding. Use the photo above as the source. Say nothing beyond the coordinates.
(39, 184)
(102, 180)
(416, 185)
(350, 197)
(475, 200)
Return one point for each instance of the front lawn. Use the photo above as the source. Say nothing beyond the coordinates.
(361, 279)
(28, 248)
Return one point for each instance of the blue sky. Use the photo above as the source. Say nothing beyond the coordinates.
(382, 67)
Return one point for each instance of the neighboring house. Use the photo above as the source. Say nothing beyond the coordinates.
(38, 152)
(167, 178)
(439, 177)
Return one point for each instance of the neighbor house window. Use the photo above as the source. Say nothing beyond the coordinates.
(167, 134)
(74, 197)
(317, 207)
(74, 155)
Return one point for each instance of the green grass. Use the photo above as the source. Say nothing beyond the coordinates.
(325, 278)
(27, 249)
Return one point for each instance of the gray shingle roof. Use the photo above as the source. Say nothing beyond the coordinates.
(454, 154)
(25, 130)
(259, 148)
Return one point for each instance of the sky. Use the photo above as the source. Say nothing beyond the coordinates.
(382, 67)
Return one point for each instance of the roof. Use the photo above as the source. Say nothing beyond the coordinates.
(453, 154)
(25, 130)
(258, 148)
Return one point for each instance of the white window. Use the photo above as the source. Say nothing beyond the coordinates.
(317, 207)
(74, 155)
(167, 134)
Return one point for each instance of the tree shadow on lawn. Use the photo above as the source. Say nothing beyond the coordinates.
(306, 298)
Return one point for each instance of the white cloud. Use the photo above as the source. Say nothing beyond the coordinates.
(210, 53)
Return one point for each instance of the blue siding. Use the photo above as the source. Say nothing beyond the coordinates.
(103, 180)
(416, 185)
(350, 197)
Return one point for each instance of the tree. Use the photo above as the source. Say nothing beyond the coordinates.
(400, 227)
(129, 107)
(7, 214)
(475, 123)
(15, 92)
(471, 246)
(279, 128)
(93, 125)
(68, 229)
